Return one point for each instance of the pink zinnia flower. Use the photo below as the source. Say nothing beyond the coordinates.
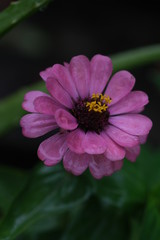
(98, 125)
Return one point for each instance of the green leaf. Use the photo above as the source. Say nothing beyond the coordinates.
(48, 227)
(123, 189)
(149, 226)
(96, 222)
(134, 183)
(148, 165)
(12, 182)
(17, 11)
(136, 57)
(50, 190)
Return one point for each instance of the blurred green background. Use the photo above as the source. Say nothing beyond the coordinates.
(37, 202)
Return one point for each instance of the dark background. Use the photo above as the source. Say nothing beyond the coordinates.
(62, 30)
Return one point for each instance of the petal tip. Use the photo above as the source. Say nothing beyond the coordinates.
(65, 120)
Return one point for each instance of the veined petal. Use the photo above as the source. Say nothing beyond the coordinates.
(133, 101)
(76, 163)
(58, 92)
(100, 166)
(35, 125)
(119, 86)
(29, 99)
(94, 143)
(132, 153)
(101, 70)
(135, 124)
(65, 120)
(64, 77)
(120, 137)
(75, 140)
(52, 149)
(46, 105)
(80, 71)
(113, 151)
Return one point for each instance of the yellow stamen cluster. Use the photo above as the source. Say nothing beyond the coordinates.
(99, 103)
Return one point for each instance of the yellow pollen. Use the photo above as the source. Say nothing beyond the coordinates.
(99, 103)
(95, 96)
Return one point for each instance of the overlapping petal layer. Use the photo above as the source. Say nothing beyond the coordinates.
(35, 124)
(112, 136)
(52, 149)
(119, 86)
(80, 71)
(58, 92)
(30, 97)
(76, 163)
(101, 70)
(135, 124)
(100, 166)
(132, 102)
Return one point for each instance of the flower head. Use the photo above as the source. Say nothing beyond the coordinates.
(98, 121)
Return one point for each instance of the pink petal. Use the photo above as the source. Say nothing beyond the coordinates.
(101, 70)
(143, 139)
(132, 153)
(29, 99)
(76, 163)
(113, 151)
(121, 138)
(135, 124)
(52, 149)
(75, 140)
(66, 64)
(35, 125)
(65, 120)
(46, 105)
(64, 77)
(93, 143)
(138, 110)
(100, 166)
(133, 101)
(48, 73)
(80, 71)
(58, 92)
(118, 165)
(119, 86)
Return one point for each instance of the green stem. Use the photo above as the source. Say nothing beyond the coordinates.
(136, 57)
(11, 110)
(17, 11)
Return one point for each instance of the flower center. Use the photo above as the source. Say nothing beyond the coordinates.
(91, 113)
